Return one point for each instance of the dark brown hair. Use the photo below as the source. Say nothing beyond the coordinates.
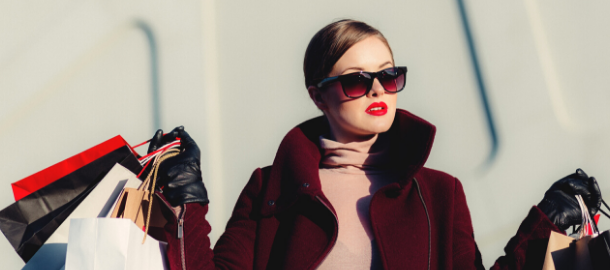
(330, 43)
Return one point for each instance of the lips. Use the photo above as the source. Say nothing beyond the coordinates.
(377, 109)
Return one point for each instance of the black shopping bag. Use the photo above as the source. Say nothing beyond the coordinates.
(29, 222)
(599, 250)
(599, 247)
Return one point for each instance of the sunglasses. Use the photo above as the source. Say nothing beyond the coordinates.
(358, 84)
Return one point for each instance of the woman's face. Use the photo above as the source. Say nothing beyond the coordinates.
(356, 119)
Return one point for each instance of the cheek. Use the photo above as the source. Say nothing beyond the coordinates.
(334, 97)
(334, 92)
(350, 113)
(391, 101)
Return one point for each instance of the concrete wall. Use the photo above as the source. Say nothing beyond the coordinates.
(74, 73)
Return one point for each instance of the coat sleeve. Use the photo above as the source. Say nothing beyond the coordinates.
(233, 250)
(526, 250)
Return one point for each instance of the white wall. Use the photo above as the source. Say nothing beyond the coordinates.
(74, 73)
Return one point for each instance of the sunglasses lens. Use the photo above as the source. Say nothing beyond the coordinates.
(393, 79)
(354, 85)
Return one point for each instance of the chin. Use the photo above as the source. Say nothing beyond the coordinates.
(383, 124)
(382, 129)
(365, 126)
(376, 128)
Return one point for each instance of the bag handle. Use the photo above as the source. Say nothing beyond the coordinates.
(150, 156)
(602, 211)
(588, 225)
(146, 158)
(153, 156)
(150, 182)
(574, 229)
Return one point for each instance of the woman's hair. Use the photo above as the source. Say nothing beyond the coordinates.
(330, 43)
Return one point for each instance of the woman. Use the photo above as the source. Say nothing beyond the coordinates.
(348, 190)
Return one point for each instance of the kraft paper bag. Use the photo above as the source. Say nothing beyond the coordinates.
(559, 253)
(566, 253)
(112, 243)
(141, 206)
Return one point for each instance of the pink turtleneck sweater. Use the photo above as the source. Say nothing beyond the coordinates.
(350, 174)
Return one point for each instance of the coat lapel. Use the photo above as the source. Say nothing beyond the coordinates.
(307, 233)
(400, 226)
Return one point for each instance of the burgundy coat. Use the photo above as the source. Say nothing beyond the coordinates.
(282, 220)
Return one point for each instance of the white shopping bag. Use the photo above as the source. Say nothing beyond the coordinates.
(112, 243)
(99, 203)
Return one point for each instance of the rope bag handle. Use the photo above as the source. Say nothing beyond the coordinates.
(588, 225)
(151, 180)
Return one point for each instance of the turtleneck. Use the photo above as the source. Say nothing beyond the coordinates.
(369, 156)
(350, 173)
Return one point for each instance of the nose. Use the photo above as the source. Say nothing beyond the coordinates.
(376, 89)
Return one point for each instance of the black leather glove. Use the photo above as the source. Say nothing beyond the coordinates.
(560, 205)
(180, 176)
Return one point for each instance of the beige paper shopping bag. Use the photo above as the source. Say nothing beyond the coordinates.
(139, 204)
(566, 253)
(559, 253)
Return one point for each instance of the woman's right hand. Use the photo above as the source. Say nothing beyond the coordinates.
(559, 202)
(180, 176)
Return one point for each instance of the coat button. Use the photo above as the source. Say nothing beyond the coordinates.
(305, 185)
(271, 202)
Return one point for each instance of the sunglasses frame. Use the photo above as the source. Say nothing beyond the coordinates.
(369, 84)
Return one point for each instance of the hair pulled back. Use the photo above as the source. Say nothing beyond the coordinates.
(330, 43)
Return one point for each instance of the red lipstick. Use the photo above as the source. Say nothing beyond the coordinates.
(377, 109)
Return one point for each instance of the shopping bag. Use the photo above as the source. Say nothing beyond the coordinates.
(583, 258)
(567, 253)
(559, 252)
(48, 257)
(112, 243)
(599, 247)
(140, 206)
(29, 222)
(49, 175)
(97, 204)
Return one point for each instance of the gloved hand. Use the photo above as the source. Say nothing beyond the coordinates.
(560, 205)
(180, 176)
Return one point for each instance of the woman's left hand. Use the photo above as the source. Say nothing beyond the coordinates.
(560, 205)
(180, 175)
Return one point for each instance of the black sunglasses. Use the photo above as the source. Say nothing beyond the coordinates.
(358, 84)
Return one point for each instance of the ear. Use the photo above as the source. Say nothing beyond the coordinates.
(316, 96)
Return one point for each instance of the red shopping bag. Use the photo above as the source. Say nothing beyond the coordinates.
(34, 182)
(30, 221)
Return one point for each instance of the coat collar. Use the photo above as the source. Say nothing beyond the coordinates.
(295, 170)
